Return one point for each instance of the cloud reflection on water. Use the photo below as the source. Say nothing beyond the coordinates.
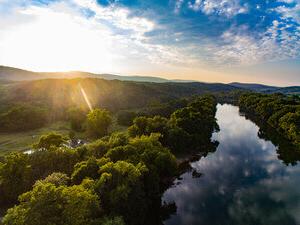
(243, 182)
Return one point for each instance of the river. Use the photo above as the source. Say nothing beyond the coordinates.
(242, 183)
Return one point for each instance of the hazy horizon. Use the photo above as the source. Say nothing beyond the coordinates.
(203, 40)
(152, 76)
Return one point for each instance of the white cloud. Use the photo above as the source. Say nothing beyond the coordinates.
(178, 5)
(241, 47)
(290, 12)
(288, 1)
(226, 8)
(119, 17)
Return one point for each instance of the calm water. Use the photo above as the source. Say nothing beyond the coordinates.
(242, 183)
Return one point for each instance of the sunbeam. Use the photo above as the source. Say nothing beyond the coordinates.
(86, 98)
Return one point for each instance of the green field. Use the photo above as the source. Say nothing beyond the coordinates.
(22, 141)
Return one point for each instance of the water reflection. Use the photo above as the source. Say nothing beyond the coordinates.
(243, 182)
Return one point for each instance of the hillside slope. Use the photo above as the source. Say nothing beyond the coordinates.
(254, 87)
(111, 94)
(14, 74)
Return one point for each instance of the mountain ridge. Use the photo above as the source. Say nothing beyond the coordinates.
(16, 74)
(267, 88)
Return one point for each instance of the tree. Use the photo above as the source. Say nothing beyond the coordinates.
(146, 125)
(57, 178)
(139, 126)
(98, 122)
(280, 111)
(121, 190)
(47, 204)
(22, 118)
(85, 169)
(77, 117)
(48, 140)
(19, 171)
(194, 124)
(15, 176)
(45, 162)
(290, 124)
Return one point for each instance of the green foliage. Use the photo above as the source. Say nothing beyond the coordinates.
(190, 126)
(198, 117)
(145, 126)
(121, 189)
(98, 122)
(15, 176)
(45, 162)
(19, 171)
(164, 109)
(58, 179)
(154, 155)
(290, 125)
(146, 149)
(117, 139)
(47, 204)
(97, 148)
(50, 140)
(112, 221)
(77, 117)
(231, 97)
(85, 169)
(126, 118)
(22, 118)
(281, 112)
(128, 176)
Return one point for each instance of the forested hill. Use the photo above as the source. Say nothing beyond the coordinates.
(267, 89)
(114, 95)
(254, 87)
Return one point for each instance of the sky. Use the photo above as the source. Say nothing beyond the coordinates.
(255, 41)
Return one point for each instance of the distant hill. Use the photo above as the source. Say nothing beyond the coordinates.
(293, 90)
(254, 87)
(267, 89)
(14, 74)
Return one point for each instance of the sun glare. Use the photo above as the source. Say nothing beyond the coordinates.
(55, 41)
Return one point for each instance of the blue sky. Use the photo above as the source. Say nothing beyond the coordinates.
(207, 40)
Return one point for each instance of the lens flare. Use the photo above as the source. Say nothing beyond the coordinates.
(86, 98)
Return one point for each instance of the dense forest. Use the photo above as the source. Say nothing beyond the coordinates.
(279, 111)
(52, 100)
(116, 179)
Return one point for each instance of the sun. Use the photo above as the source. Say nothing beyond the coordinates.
(57, 41)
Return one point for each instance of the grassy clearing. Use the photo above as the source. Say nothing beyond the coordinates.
(22, 141)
